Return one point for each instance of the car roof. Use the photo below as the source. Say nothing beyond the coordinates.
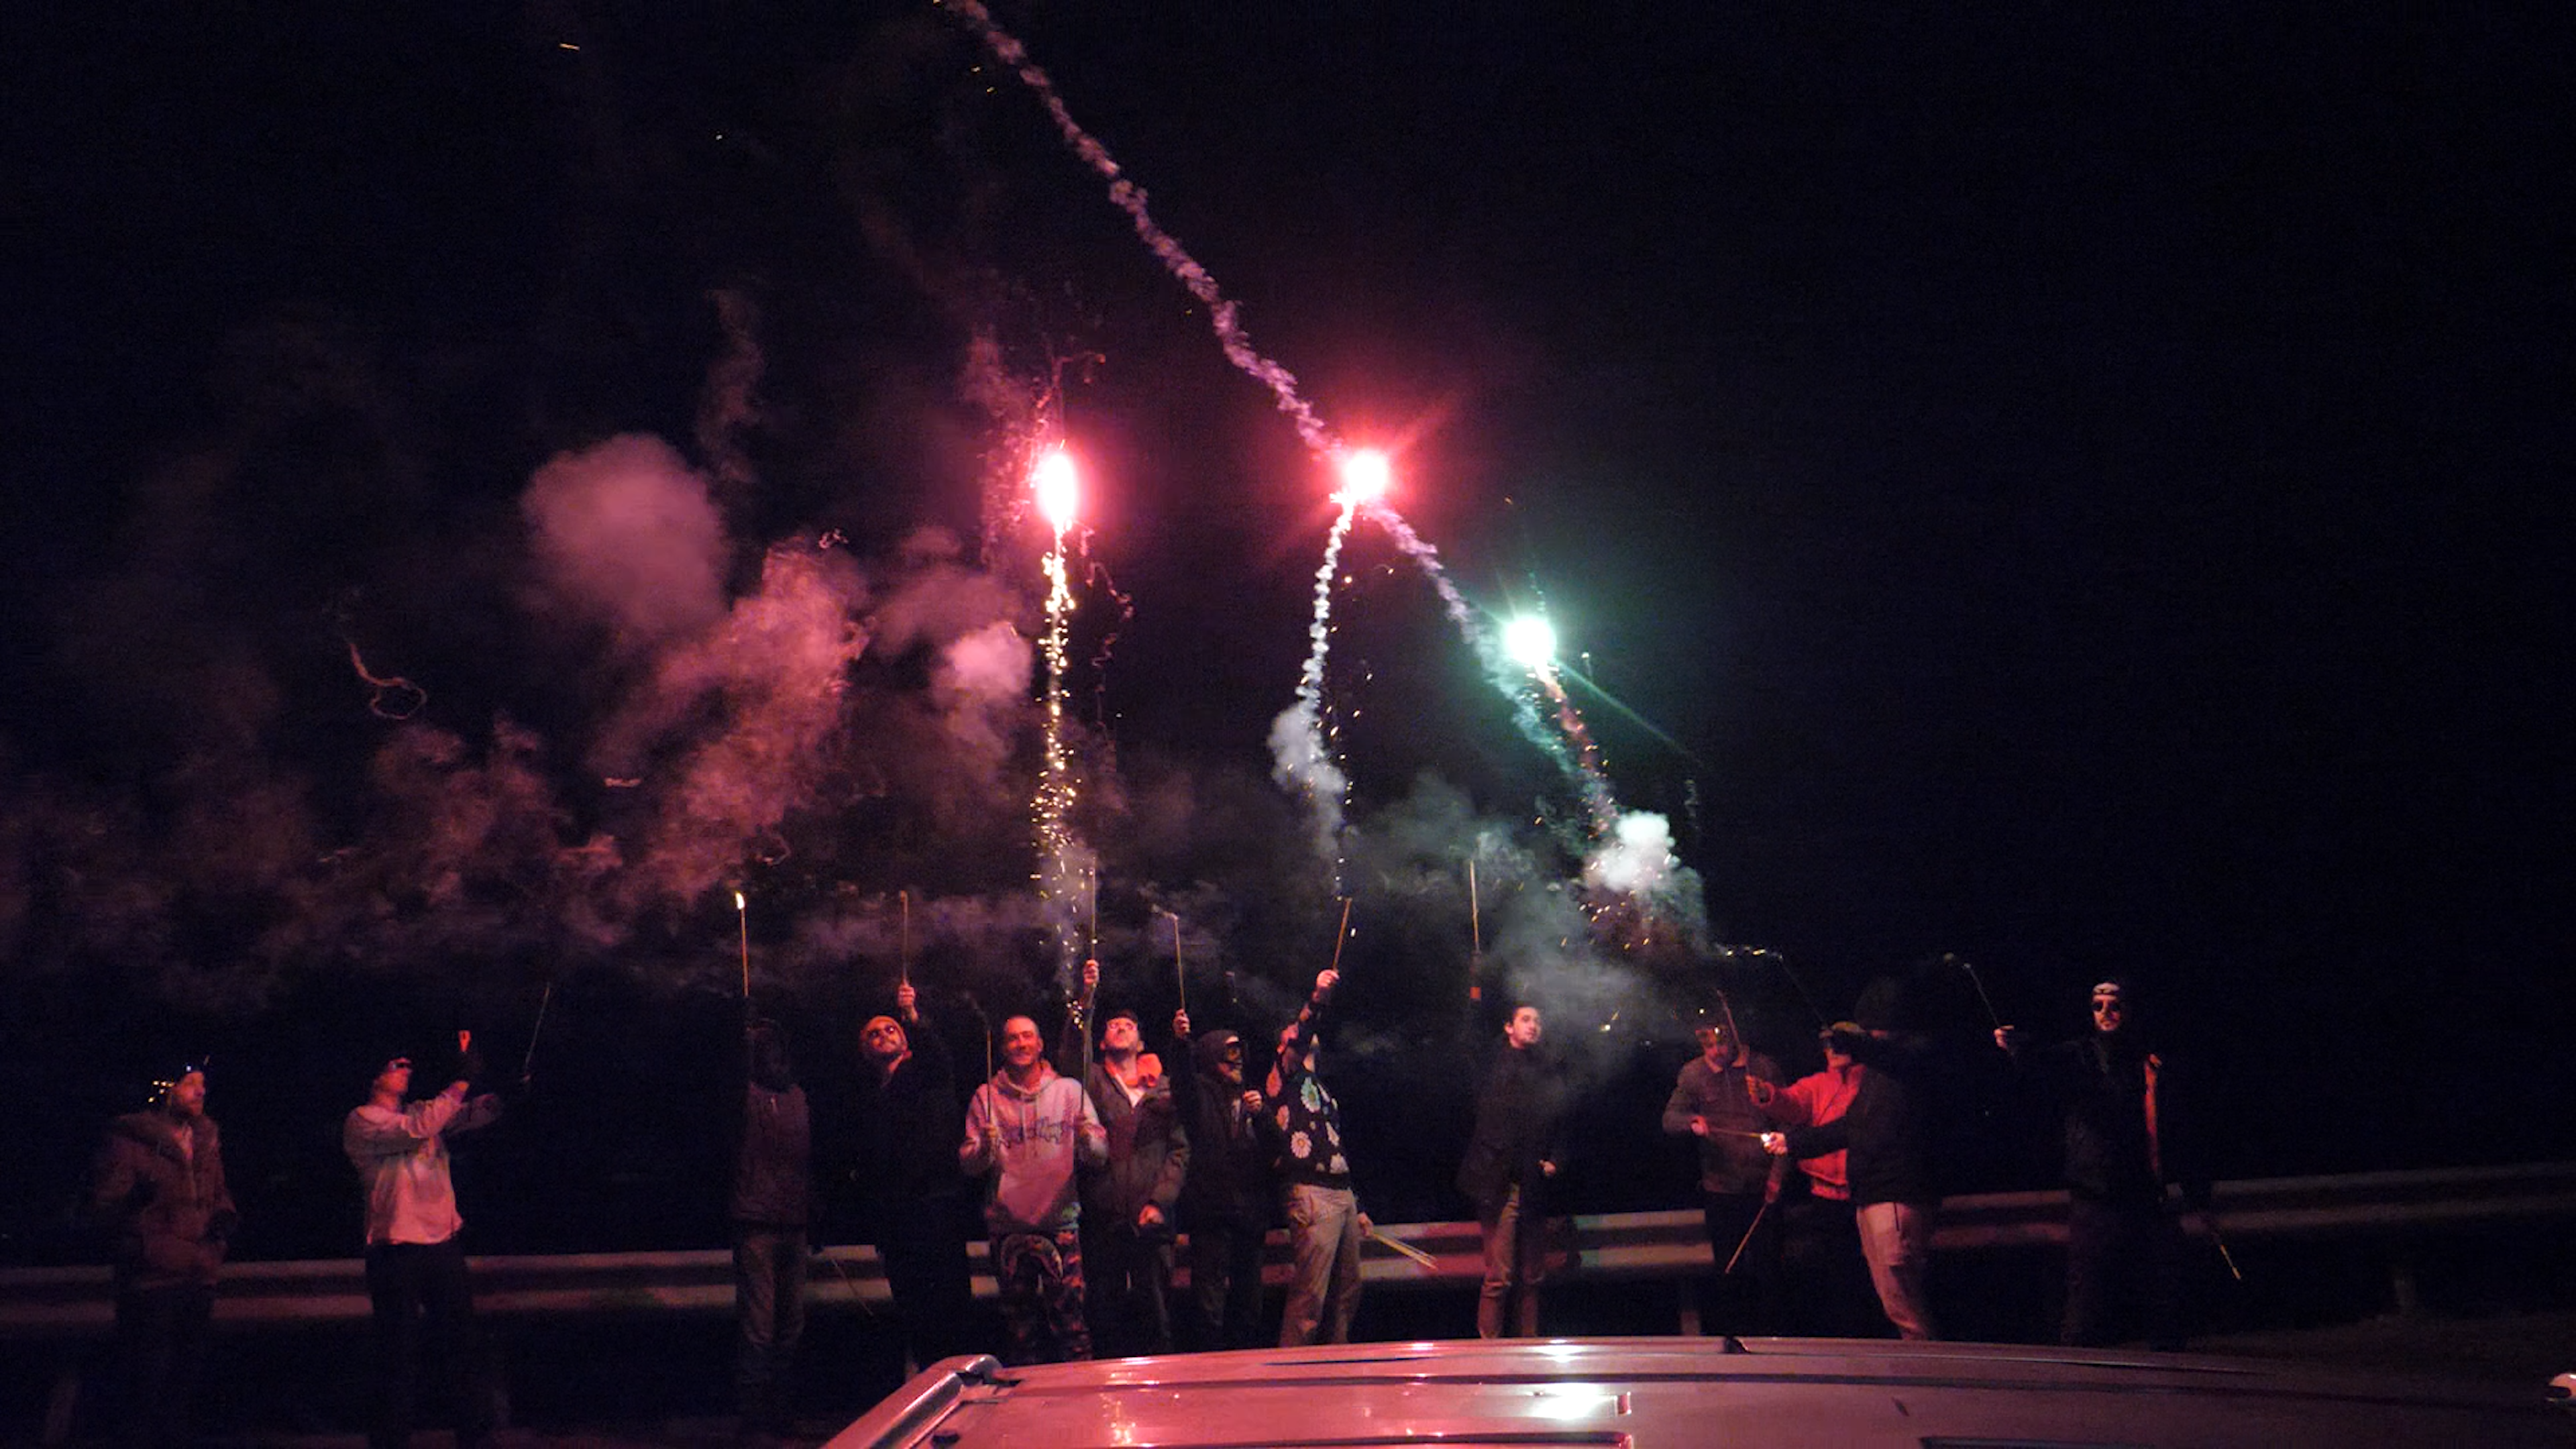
(1637, 1393)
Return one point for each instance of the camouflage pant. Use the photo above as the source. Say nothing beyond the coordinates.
(1040, 1275)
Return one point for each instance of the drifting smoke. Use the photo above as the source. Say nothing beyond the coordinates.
(625, 537)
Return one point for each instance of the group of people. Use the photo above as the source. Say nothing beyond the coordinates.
(1092, 1165)
(1864, 1135)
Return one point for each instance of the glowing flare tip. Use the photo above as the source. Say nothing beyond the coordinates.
(1057, 489)
(1531, 641)
(1366, 475)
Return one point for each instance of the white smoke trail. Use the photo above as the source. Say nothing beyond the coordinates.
(1299, 743)
(1130, 198)
(1306, 761)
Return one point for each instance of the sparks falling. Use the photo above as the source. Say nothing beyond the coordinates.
(1064, 865)
(1302, 738)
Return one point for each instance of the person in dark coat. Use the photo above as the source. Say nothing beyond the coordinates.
(1227, 1197)
(1512, 1152)
(907, 1121)
(1128, 1201)
(770, 1210)
(2135, 1191)
(158, 1186)
(1888, 1131)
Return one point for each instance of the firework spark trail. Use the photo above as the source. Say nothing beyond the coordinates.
(1306, 758)
(1581, 764)
(1306, 752)
(1130, 198)
(1064, 865)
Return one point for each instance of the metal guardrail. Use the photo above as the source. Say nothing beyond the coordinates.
(42, 1304)
(70, 1307)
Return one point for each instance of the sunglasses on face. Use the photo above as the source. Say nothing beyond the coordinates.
(2105, 1003)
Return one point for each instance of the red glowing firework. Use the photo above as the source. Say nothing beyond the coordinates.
(1366, 475)
(1058, 489)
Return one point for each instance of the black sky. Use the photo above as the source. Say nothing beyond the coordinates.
(2082, 490)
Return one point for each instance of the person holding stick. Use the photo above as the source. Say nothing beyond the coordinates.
(1025, 1130)
(1888, 1132)
(2135, 1192)
(416, 1280)
(1824, 1281)
(1325, 1224)
(1129, 1199)
(1714, 1100)
(770, 1210)
(1227, 1198)
(158, 1187)
(907, 1122)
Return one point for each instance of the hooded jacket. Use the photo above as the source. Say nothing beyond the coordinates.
(1028, 1141)
(1228, 1183)
(161, 1202)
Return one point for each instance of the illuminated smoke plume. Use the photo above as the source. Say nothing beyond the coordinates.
(625, 537)
(773, 676)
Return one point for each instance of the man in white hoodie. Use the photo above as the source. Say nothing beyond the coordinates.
(415, 1267)
(1025, 1129)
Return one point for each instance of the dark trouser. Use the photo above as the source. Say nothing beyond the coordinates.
(2116, 1254)
(924, 1253)
(1515, 1262)
(422, 1301)
(1040, 1276)
(1225, 1285)
(160, 1346)
(1127, 1277)
(1825, 1288)
(769, 1318)
(1741, 1301)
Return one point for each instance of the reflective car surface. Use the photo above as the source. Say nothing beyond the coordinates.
(1645, 1392)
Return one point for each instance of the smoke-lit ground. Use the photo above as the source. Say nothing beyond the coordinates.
(480, 500)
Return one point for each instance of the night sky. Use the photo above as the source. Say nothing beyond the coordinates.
(2084, 492)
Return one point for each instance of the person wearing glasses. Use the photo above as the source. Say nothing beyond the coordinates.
(2135, 1191)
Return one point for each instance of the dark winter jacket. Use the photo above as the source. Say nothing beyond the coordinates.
(1889, 1127)
(1228, 1183)
(1731, 1159)
(1149, 1149)
(1519, 1119)
(2100, 1087)
(905, 1131)
(167, 1211)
